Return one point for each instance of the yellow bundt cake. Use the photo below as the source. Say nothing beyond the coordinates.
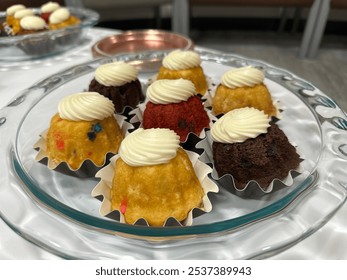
(243, 87)
(154, 178)
(186, 65)
(84, 128)
(61, 18)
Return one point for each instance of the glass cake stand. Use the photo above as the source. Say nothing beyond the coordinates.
(58, 213)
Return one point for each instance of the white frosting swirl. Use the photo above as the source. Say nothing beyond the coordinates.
(23, 13)
(242, 77)
(145, 147)
(85, 106)
(32, 23)
(179, 60)
(170, 91)
(239, 125)
(49, 7)
(115, 74)
(10, 11)
(59, 16)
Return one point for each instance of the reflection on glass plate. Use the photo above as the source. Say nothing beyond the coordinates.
(57, 212)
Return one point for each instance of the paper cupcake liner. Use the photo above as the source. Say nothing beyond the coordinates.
(103, 188)
(127, 113)
(7, 29)
(87, 168)
(137, 119)
(252, 189)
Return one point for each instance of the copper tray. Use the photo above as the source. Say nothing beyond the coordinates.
(141, 41)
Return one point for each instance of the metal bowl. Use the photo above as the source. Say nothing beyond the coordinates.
(142, 41)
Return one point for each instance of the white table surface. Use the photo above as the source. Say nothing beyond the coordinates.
(329, 242)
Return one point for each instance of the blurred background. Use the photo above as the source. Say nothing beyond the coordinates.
(259, 15)
(306, 37)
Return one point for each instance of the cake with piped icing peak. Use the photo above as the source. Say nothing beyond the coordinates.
(84, 128)
(248, 146)
(174, 104)
(184, 64)
(154, 178)
(243, 87)
(118, 81)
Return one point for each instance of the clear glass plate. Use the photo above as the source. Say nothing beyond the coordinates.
(48, 43)
(57, 212)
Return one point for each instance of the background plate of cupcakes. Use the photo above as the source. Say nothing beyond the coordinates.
(35, 32)
(242, 215)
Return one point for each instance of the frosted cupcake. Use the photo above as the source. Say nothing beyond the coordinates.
(47, 9)
(174, 104)
(10, 11)
(249, 147)
(154, 179)
(61, 18)
(31, 25)
(17, 18)
(83, 129)
(33, 45)
(119, 82)
(243, 87)
(186, 65)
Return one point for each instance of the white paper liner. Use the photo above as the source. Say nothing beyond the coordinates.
(202, 170)
(7, 29)
(138, 118)
(87, 168)
(252, 189)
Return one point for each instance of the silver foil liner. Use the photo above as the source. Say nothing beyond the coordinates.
(252, 189)
(87, 168)
(103, 188)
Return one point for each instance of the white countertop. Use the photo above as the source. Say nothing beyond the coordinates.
(329, 242)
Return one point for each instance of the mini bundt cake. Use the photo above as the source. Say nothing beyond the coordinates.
(243, 87)
(249, 147)
(174, 104)
(118, 81)
(186, 65)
